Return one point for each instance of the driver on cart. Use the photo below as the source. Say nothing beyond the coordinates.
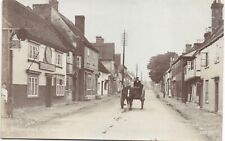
(137, 83)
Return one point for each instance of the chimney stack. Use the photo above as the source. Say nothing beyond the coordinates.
(80, 23)
(217, 14)
(54, 4)
(99, 40)
(188, 47)
(206, 36)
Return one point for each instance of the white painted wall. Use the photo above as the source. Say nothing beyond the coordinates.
(102, 77)
(215, 69)
(21, 64)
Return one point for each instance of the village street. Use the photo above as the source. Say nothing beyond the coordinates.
(107, 121)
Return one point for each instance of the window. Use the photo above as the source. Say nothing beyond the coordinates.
(204, 59)
(206, 91)
(192, 64)
(88, 81)
(33, 51)
(58, 61)
(32, 86)
(60, 87)
(207, 59)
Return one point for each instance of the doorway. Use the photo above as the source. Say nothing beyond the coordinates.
(200, 94)
(48, 99)
(216, 95)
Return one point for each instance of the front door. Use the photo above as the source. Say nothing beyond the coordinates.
(216, 95)
(49, 91)
(102, 87)
(199, 91)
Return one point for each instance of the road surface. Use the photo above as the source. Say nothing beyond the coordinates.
(156, 121)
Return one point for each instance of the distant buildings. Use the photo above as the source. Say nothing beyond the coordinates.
(107, 58)
(197, 75)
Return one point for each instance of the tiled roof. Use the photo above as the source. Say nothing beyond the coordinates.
(79, 35)
(102, 68)
(16, 15)
(106, 51)
(218, 33)
(118, 59)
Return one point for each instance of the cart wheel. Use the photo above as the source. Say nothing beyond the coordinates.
(122, 102)
(142, 104)
(130, 104)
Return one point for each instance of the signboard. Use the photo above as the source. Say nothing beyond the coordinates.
(48, 55)
(47, 67)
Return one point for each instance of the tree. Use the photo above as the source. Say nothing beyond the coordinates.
(158, 65)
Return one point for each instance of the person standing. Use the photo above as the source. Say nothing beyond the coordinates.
(4, 100)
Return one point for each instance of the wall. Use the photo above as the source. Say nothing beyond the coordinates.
(103, 79)
(90, 59)
(20, 76)
(5, 58)
(213, 70)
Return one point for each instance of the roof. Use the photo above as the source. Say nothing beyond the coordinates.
(16, 15)
(189, 54)
(78, 33)
(218, 33)
(106, 51)
(118, 59)
(102, 68)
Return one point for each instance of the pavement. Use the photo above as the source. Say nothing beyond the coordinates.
(28, 117)
(106, 120)
(207, 123)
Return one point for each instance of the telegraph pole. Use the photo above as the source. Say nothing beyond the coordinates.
(124, 40)
(136, 70)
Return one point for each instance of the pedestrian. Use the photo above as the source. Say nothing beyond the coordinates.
(4, 100)
(9, 107)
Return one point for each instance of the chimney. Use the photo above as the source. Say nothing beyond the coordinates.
(80, 23)
(99, 40)
(43, 10)
(217, 14)
(206, 36)
(54, 4)
(188, 47)
(197, 46)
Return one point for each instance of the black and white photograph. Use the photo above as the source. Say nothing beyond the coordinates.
(112, 70)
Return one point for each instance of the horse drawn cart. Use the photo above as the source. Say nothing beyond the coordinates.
(132, 93)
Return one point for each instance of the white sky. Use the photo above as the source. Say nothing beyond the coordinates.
(153, 26)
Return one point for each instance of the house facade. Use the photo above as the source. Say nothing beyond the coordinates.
(85, 56)
(212, 73)
(36, 64)
(107, 58)
(202, 67)
(103, 80)
(167, 83)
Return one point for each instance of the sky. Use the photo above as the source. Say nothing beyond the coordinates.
(152, 26)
